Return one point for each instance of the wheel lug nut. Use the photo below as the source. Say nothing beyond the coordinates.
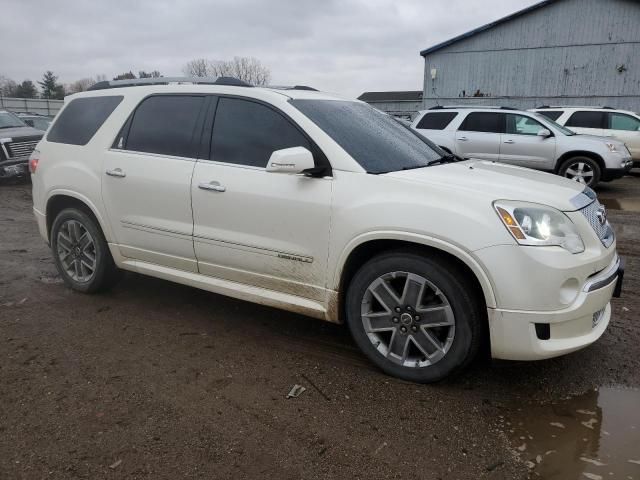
(414, 328)
(397, 309)
(409, 307)
(395, 319)
(417, 318)
(403, 329)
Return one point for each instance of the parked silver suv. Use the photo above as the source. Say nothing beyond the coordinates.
(527, 139)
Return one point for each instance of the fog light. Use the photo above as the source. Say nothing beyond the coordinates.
(597, 316)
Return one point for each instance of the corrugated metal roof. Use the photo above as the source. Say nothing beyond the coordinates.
(470, 33)
(397, 96)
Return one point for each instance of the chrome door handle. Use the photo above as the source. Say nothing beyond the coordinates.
(463, 139)
(509, 141)
(116, 172)
(212, 186)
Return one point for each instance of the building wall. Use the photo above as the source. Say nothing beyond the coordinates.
(574, 52)
(405, 109)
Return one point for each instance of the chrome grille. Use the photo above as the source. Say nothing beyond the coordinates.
(604, 232)
(21, 149)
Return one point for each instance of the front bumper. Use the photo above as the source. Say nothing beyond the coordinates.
(536, 335)
(15, 167)
(614, 173)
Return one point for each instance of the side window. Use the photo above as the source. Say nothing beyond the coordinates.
(522, 125)
(81, 119)
(488, 122)
(165, 124)
(436, 120)
(552, 114)
(586, 119)
(247, 133)
(620, 121)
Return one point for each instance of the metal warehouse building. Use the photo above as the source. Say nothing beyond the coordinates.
(556, 52)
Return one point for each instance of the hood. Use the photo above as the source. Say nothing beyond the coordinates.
(18, 132)
(600, 140)
(499, 182)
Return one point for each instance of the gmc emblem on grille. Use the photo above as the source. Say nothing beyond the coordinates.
(601, 215)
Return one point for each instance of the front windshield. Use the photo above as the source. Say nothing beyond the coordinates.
(378, 142)
(562, 129)
(9, 120)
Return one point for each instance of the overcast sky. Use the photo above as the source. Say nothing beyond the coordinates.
(346, 47)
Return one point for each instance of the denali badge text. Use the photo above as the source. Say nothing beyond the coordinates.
(293, 257)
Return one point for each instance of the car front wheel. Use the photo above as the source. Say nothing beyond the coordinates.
(415, 317)
(583, 170)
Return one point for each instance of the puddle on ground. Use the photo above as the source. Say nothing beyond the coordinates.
(595, 436)
(626, 204)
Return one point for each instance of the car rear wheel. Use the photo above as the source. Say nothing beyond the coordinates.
(81, 252)
(415, 317)
(583, 170)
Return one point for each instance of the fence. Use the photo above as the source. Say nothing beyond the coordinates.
(42, 106)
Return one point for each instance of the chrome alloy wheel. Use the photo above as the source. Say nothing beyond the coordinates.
(76, 251)
(408, 319)
(580, 172)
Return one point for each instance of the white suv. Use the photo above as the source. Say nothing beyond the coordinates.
(303, 201)
(607, 122)
(526, 139)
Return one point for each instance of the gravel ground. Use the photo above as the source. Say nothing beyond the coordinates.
(157, 380)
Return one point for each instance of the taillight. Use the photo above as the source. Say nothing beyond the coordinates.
(33, 161)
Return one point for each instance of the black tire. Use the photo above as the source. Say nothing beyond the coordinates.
(589, 163)
(451, 281)
(105, 273)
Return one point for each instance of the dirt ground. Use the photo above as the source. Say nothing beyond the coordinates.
(157, 380)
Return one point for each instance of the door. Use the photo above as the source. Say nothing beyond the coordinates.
(625, 128)
(146, 184)
(255, 227)
(479, 135)
(587, 122)
(521, 144)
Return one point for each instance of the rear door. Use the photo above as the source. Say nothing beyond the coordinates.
(590, 122)
(146, 182)
(521, 144)
(480, 134)
(255, 227)
(625, 128)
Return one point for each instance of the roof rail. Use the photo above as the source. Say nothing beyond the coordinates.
(496, 107)
(294, 87)
(541, 107)
(136, 82)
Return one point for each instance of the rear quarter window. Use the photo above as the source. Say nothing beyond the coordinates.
(81, 119)
(587, 119)
(436, 120)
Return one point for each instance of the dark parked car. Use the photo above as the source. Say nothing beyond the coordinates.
(17, 141)
(39, 122)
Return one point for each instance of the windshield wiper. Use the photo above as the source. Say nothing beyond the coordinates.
(448, 158)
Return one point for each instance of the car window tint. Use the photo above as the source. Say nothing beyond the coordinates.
(522, 125)
(552, 114)
(620, 121)
(436, 120)
(81, 119)
(483, 122)
(247, 133)
(165, 124)
(586, 119)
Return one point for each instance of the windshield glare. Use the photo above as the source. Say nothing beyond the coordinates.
(9, 120)
(378, 142)
(562, 129)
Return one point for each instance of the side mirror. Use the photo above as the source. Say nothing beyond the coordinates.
(545, 133)
(290, 160)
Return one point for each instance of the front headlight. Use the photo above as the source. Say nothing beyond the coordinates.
(539, 225)
(612, 147)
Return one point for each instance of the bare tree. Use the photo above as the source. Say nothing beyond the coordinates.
(248, 69)
(197, 67)
(8, 87)
(81, 85)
